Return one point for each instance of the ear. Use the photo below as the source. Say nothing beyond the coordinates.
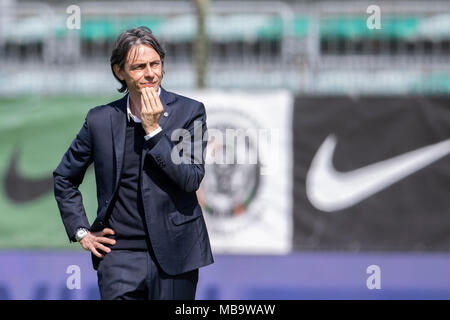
(118, 72)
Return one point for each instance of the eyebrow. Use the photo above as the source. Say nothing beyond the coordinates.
(138, 63)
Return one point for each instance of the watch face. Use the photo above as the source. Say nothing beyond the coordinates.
(81, 233)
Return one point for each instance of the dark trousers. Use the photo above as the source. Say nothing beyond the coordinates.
(134, 275)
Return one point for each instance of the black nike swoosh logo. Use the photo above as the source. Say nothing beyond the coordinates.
(20, 189)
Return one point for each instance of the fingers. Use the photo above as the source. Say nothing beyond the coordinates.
(102, 247)
(89, 245)
(152, 100)
(94, 241)
(106, 240)
(107, 231)
(145, 102)
(96, 253)
(158, 105)
(97, 245)
(147, 105)
(151, 109)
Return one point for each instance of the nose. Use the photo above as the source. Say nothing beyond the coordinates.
(149, 72)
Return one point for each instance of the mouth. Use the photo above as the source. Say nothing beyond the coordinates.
(148, 84)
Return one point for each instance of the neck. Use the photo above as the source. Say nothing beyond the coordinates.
(135, 104)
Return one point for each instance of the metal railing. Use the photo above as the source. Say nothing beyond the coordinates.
(34, 40)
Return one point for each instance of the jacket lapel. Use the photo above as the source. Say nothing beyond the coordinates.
(167, 99)
(118, 128)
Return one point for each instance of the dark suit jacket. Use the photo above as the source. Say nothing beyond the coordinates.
(174, 217)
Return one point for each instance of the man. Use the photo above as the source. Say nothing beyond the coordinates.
(149, 237)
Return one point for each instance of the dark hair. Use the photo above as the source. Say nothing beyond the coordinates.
(128, 39)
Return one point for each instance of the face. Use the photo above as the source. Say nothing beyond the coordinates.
(143, 68)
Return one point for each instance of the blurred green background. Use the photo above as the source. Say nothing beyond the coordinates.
(41, 129)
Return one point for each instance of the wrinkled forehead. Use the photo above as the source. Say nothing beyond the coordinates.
(142, 53)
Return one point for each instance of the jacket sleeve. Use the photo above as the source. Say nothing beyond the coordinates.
(183, 159)
(68, 176)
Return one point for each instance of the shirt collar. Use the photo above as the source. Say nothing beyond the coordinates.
(130, 114)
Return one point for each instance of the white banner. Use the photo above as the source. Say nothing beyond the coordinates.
(246, 194)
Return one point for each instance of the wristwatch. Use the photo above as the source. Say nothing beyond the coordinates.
(81, 233)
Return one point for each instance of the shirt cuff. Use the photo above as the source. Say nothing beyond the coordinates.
(153, 133)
